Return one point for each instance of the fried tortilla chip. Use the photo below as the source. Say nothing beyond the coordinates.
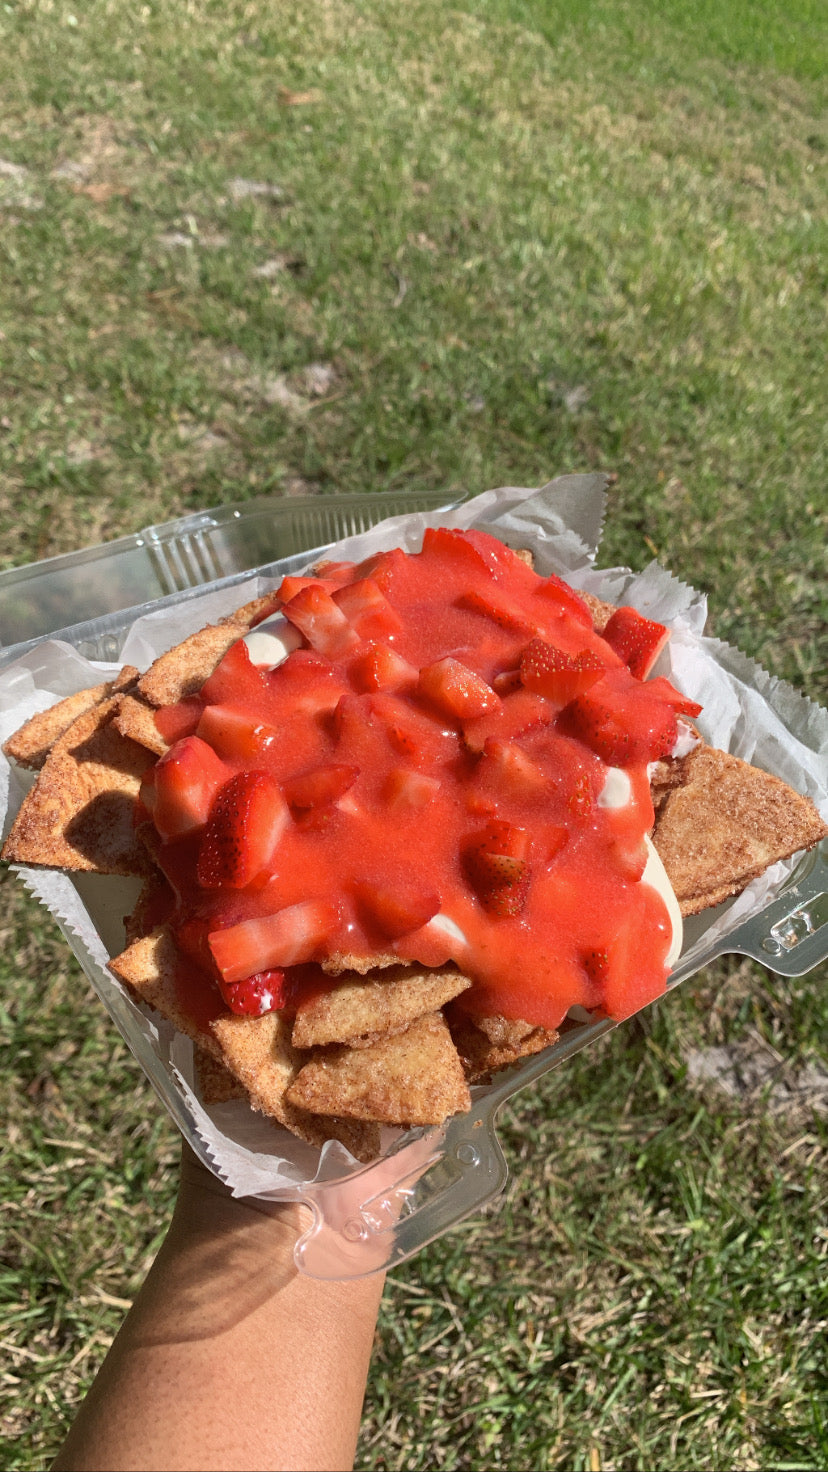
(365, 1009)
(135, 719)
(414, 1077)
(725, 825)
(153, 972)
(486, 1044)
(182, 670)
(259, 1053)
(214, 1082)
(31, 745)
(79, 814)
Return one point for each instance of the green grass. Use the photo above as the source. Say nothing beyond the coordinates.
(522, 237)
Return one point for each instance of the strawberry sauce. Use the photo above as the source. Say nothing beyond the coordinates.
(437, 754)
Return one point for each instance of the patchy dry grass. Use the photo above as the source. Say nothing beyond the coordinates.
(249, 250)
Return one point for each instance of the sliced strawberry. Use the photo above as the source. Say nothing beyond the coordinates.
(176, 721)
(379, 667)
(563, 599)
(555, 839)
(681, 704)
(386, 568)
(313, 612)
(516, 714)
(597, 964)
(406, 788)
(637, 640)
(179, 790)
(235, 679)
(297, 933)
(322, 785)
(267, 991)
(335, 574)
(396, 911)
(497, 869)
(581, 799)
(246, 822)
(494, 606)
(558, 676)
(622, 720)
(367, 609)
(412, 734)
(505, 768)
(235, 735)
(292, 585)
(456, 690)
(458, 550)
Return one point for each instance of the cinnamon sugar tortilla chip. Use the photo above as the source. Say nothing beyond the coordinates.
(725, 825)
(340, 962)
(182, 670)
(135, 719)
(258, 1052)
(215, 1083)
(601, 612)
(486, 1044)
(79, 814)
(414, 1077)
(31, 745)
(149, 968)
(365, 1008)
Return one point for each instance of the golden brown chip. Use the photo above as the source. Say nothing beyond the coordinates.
(414, 1077)
(384, 1004)
(601, 612)
(259, 1053)
(182, 670)
(31, 745)
(486, 1044)
(341, 962)
(254, 611)
(79, 814)
(135, 719)
(152, 971)
(215, 1083)
(725, 825)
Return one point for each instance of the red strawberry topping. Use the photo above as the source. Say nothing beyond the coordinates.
(246, 821)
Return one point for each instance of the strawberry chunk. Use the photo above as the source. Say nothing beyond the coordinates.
(179, 790)
(235, 735)
(492, 605)
(516, 714)
(682, 704)
(456, 690)
(380, 668)
(313, 612)
(622, 720)
(406, 788)
(505, 768)
(636, 640)
(267, 991)
(563, 599)
(496, 866)
(398, 911)
(246, 821)
(177, 721)
(412, 734)
(558, 676)
(367, 609)
(235, 679)
(297, 933)
(320, 786)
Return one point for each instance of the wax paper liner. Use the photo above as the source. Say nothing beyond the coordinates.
(745, 711)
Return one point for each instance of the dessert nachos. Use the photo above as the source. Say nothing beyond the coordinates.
(394, 822)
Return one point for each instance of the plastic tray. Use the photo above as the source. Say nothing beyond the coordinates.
(378, 1215)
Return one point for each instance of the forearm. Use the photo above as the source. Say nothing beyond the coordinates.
(229, 1358)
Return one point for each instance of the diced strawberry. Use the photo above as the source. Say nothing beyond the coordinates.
(682, 704)
(582, 797)
(496, 866)
(320, 786)
(558, 676)
(367, 609)
(179, 790)
(234, 734)
(246, 822)
(558, 594)
(456, 690)
(413, 734)
(406, 788)
(235, 679)
(308, 684)
(292, 585)
(494, 606)
(475, 550)
(505, 768)
(380, 668)
(176, 721)
(398, 911)
(516, 714)
(622, 720)
(596, 964)
(637, 640)
(297, 933)
(386, 568)
(335, 574)
(313, 612)
(556, 838)
(267, 991)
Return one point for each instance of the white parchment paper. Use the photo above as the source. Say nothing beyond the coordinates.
(746, 711)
